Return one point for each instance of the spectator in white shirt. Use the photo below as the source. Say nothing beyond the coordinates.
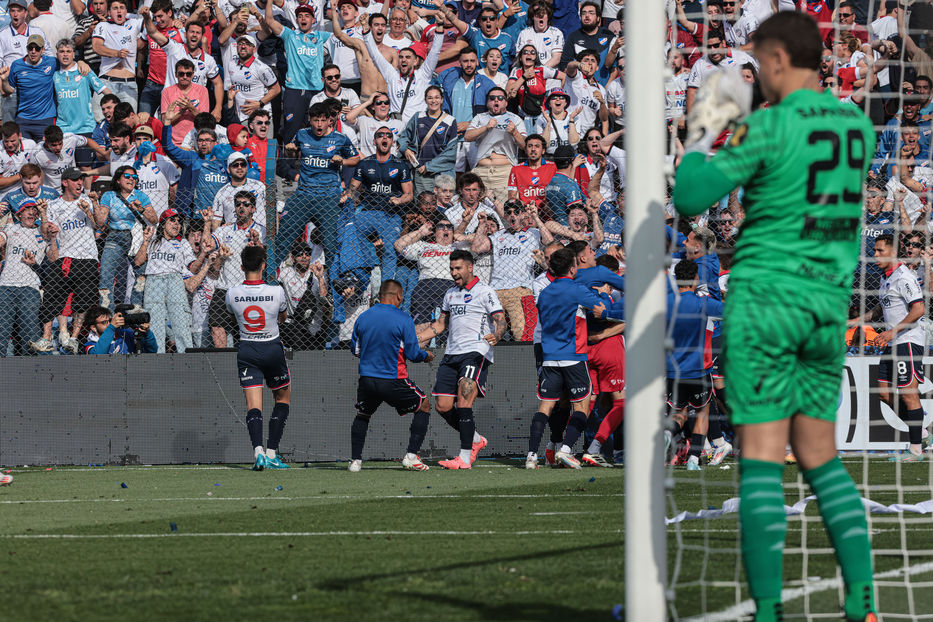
(117, 41)
(498, 135)
(433, 265)
(548, 40)
(513, 264)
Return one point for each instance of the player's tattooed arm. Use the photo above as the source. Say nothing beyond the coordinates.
(433, 329)
(499, 326)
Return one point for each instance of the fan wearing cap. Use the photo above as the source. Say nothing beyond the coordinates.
(25, 248)
(224, 207)
(31, 79)
(158, 176)
(556, 124)
(407, 84)
(169, 259)
(304, 49)
(75, 272)
(117, 41)
(13, 46)
(253, 84)
(528, 84)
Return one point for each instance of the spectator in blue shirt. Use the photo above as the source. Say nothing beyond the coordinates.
(101, 133)
(322, 152)
(465, 89)
(487, 36)
(32, 79)
(190, 163)
(120, 209)
(109, 335)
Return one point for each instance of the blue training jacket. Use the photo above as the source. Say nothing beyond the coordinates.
(686, 324)
(563, 322)
(383, 337)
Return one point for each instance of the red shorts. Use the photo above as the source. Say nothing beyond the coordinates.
(607, 365)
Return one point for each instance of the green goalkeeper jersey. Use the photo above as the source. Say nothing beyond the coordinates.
(802, 164)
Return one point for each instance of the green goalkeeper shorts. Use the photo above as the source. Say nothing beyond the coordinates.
(783, 350)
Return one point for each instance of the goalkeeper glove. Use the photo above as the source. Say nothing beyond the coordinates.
(722, 99)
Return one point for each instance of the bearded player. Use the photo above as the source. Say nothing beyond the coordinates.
(801, 162)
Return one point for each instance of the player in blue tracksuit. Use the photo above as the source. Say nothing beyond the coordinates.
(322, 152)
(564, 347)
(590, 274)
(383, 337)
(688, 380)
(384, 184)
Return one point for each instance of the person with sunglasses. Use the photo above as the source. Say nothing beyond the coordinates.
(120, 209)
(158, 176)
(190, 48)
(182, 101)
(718, 56)
(333, 89)
(487, 36)
(498, 135)
(379, 106)
(168, 258)
(13, 47)
(224, 202)
(32, 79)
(231, 239)
(528, 83)
(738, 25)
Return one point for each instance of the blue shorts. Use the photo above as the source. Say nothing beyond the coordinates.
(553, 382)
(453, 367)
(906, 359)
(401, 394)
(258, 360)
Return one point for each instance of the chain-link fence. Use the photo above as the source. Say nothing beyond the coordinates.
(135, 262)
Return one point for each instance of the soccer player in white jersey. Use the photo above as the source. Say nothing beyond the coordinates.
(259, 308)
(472, 311)
(904, 315)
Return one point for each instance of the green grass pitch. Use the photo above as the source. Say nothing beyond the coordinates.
(493, 543)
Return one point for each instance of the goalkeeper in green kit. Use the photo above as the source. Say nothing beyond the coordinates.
(802, 163)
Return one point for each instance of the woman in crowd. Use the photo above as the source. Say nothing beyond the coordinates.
(429, 142)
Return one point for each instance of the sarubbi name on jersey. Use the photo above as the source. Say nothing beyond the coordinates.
(253, 299)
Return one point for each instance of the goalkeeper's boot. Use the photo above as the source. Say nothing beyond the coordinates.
(5, 479)
(790, 458)
(871, 616)
(411, 462)
(719, 453)
(693, 463)
(275, 463)
(477, 447)
(260, 463)
(596, 460)
(906, 456)
(454, 464)
(567, 459)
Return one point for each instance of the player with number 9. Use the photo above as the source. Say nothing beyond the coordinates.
(801, 162)
(259, 308)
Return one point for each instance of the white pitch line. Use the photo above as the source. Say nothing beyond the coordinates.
(311, 497)
(747, 607)
(295, 534)
(168, 467)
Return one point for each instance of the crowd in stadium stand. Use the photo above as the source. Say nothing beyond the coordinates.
(145, 146)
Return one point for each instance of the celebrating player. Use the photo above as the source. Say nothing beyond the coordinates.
(801, 162)
(383, 337)
(904, 315)
(563, 347)
(477, 323)
(259, 308)
(689, 384)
